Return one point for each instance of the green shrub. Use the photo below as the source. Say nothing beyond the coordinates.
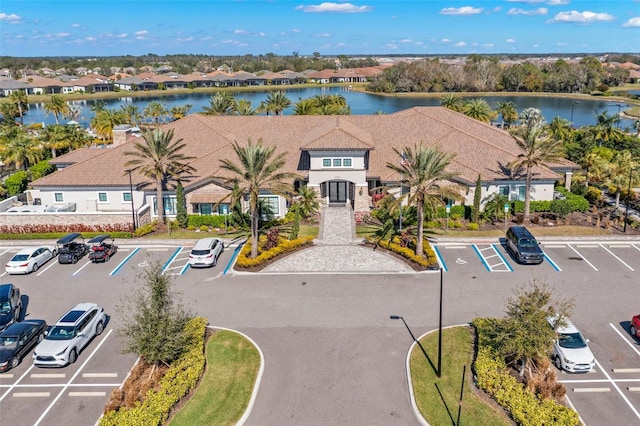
(409, 252)
(472, 226)
(561, 207)
(284, 246)
(578, 203)
(41, 169)
(534, 206)
(145, 229)
(214, 221)
(182, 376)
(593, 195)
(493, 377)
(433, 224)
(16, 183)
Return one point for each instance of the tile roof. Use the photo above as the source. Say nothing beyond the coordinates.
(480, 149)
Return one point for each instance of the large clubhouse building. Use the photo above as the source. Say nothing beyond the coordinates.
(344, 158)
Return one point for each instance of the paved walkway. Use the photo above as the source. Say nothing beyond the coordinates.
(337, 250)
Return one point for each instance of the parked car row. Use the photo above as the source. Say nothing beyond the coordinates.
(68, 249)
(55, 346)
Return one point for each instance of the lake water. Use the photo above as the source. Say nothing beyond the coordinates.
(584, 111)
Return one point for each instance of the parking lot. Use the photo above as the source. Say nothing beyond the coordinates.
(77, 393)
(600, 276)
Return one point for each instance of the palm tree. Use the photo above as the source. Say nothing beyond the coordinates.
(131, 113)
(104, 122)
(155, 110)
(19, 99)
(618, 172)
(98, 106)
(305, 107)
(538, 149)
(507, 111)
(276, 102)
(560, 128)
(244, 107)
(220, 104)
(178, 112)
(305, 201)
(452, 101)
(256, 170)
(423, 170)
(478, 109)
(157, 156)
(56, 138)
(595, 163)
(605, 129)
(56, 106)
(17, 147)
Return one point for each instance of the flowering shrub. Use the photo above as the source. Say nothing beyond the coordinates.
(408, 252)
(264, 255)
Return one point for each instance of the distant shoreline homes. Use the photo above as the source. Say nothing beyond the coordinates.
(163, 78)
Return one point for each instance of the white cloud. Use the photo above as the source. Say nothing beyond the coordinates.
(488, 45)
(510, 40)
(539, 11)
(206, 38)
(445, 40)
(261, 34)
(75, 25)
(240, 31)
(390, 46)
(465, 10)
(562, 43)
(141, 33)
(632, 23)
(582, 17)
(122, 35)
(406, 40)
(91, 38)
(322, 35)
(333, 8)
(185, 39)
(557, 2)
(12, 19)
(460, 44)
(526, 1)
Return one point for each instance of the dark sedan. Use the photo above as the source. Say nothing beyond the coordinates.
(18, 340)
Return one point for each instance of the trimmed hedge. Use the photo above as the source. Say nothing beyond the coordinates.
(182, 376)
(408, 253)
(284, 246)
(214, 221)
(493, 377)
(577, 203)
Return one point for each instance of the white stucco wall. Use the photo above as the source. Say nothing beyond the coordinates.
(87, 200)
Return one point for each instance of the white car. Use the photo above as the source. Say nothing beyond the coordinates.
(206, 253)
(571, 352)
(66, 339)
(30, 259)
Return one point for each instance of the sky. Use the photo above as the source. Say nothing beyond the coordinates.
(375, 27)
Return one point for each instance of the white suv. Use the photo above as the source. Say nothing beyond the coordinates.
(65, 340)
(570, 350)
(206, 253)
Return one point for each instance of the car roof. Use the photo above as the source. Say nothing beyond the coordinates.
(98, 239)
(568, 327)
(76, 312)
(4, 290)
(69, 237)
(204, 243)
(520, 231)
(19, 327)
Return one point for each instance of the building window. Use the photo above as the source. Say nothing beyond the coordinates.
(205, 209)
(504, 191)
(126, 197)
(337, 162)
(326, 162)
(521, 190)
(271, 203)
(102, 197)
(169, 203)
(58, 197)
(346, 162)
(223, 208)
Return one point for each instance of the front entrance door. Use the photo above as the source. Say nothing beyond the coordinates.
(338, 191)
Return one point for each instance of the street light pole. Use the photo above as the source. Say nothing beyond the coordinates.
(573, 105)
(626, 210)
(133, 211)
(440, 329)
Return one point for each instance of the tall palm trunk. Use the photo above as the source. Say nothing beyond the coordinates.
(419, 237)
(527, 195)
(160, 202)
(255, 220)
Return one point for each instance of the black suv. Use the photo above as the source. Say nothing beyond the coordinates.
(71, 247)
(10, 305)
(523, 245)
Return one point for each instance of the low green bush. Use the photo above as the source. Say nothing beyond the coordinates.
(473, 226)
(493, 377)
(433, 224)
(428, 260)
(145, 229)
(16, 183)
(214, 221)
(182, 376)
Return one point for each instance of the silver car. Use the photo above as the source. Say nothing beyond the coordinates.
(206, 253)
(66, 339)
(30, 259)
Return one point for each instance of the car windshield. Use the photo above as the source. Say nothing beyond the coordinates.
(200, 252)
(528, 243)
(572, 341)
(8, 342)
(19, 257)
(5, 307)
(61, 332)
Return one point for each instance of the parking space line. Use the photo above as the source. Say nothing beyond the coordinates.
(633, 389)
(158, 249)
(625, 370)
(551, 262)
(184, 268)
(173, 256)
(439, 258)
(87, 394)
(63, 385)
(55, 400)
(486, 265)
(125, 260)
(6, 376)
(43, 270)
(31, 394)
(81, 268)
(554, 245)
(591, 390)
(635, 246)
(87, 375)
(48, 375)
(4, 252)
(625, 339)
(620, 260)
(16, 382)
(581, 256)
(613, 383)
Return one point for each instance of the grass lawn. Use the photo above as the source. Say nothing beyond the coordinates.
(441, 408)
(226, 386)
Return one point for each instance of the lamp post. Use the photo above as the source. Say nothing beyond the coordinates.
(440, 329)
(573, 105)
(133, 211)
(626, 210)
